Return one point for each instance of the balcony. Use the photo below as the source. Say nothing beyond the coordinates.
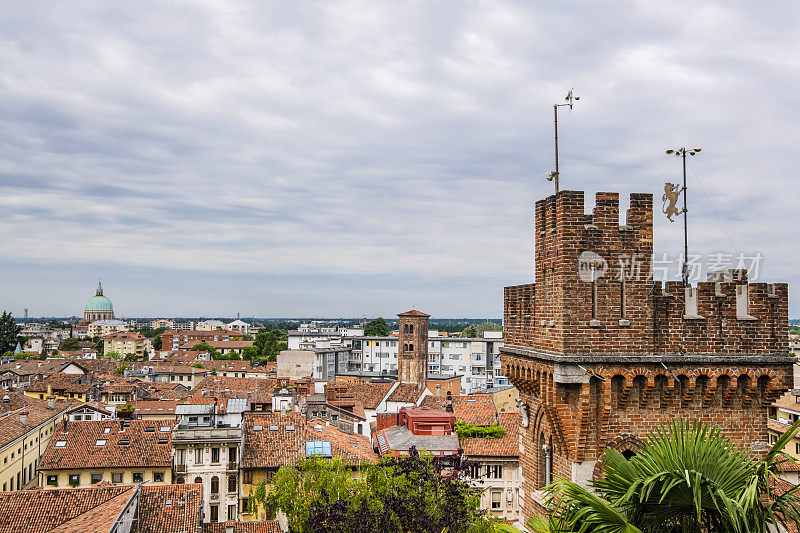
(184, 434)
(180, 469)
(233, 465)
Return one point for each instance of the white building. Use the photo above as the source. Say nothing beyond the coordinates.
(477, 360)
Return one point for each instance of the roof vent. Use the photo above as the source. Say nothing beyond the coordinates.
(273, 428)
(6, 399)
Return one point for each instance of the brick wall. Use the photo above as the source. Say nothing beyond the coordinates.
(601, 361)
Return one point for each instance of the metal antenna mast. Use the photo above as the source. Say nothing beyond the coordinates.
(570, 100)
(671, 193)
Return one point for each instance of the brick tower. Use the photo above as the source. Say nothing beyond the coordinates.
(601, 354)
(412, 356)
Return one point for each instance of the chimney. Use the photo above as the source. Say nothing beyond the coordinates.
(448, 403)
(23, 418)
(49, 390)
(51, 403)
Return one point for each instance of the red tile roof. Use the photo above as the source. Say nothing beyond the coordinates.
(369, 394)
(10, 424)
(352, 449)
(413, 312)
(506, 446)
(475, 409)
(405, 393)
(45, 510)
(273, 448)
(62, 382)
(170, 508)
(149, 407)
(258, 390)
(219, 344)
(82, 451)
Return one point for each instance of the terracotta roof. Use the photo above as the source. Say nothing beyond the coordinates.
(196, 333)
(45, 510)
(273, 448)
(180, 355)
(38, 413)
(369, 394)
(170, 508)
(788, 401)
(405, 392)
(61, 382)
(778, 427)
(475, 409)
(269, 526)
(119, 335)
(258, 390)
(413, 312)
(81, 449)
(149, 407)
(507, 446)
(236, 366)
(219, 344)
(352, 449)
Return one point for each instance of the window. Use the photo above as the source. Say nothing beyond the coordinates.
(138, 477)
(214, 455)
(51, 481)
(797, 448)
(198, 479)
(198, 456)
(247, 477)
(116, 477)
(214, 485)
(158, 477)
(232, 484)
(124, 442)
(496, 495)
(59, 444)
(96, 478)
(232, 512)
(163, 441)
(74, 480)
(215, 513)
(100, 442)
(232, 454)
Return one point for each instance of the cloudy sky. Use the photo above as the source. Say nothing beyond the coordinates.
(363, 158)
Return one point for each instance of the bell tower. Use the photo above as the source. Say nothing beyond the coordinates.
(412, 354)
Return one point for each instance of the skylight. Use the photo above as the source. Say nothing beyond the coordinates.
(319, 448)
(163, 441)
(100, 442)
(258, 428)
(165, 429)
(289, 428)
(149, 430)
(124, 442)
(273, 428)
(106, 430)
(61, 443)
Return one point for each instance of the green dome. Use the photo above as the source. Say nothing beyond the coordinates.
(98, 302)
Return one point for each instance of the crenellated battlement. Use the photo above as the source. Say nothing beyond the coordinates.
(601, 354)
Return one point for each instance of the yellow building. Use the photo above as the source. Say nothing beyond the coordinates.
(26, 426)
(127, 343)
(61, 387)
(81, 454)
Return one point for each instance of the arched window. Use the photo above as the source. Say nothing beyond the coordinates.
(180, 481)
(411, 328)
(405, 328)
(232, 484)
(410, 347)
(198, 479)
(214, 485)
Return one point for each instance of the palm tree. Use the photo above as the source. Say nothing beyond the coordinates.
(687, 478)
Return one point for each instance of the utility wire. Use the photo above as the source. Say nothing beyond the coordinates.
(733, 246)
(662, 173)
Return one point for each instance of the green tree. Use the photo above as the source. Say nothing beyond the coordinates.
(476, 330)
(114, 356)
(412, 494)
(268, 343)
(688, 477)
(70, 344)
(9, 330)
(249, 353)
(376, 328)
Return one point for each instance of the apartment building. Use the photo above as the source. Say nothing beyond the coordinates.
(81, 454)
(101, 328)
(476, 360)
(127, 343)
(208, 447)
(173, 339)
(26, 426)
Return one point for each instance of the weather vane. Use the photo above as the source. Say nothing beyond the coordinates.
(570, 100)
(670, 198)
